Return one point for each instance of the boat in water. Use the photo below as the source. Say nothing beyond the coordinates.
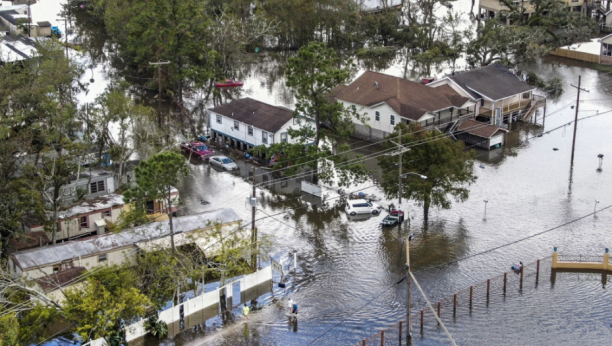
(229, 83)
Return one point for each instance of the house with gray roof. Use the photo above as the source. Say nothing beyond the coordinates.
(501, 95)
(247, 123)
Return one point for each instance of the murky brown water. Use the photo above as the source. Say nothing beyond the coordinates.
(345, 263)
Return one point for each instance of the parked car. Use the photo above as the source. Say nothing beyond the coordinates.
(361, 206)
(393, 218)
(223, 162)
(197, 149)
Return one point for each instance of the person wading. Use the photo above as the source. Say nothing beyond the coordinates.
(245, 311)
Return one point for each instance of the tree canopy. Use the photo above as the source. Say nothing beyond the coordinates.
(445, 163)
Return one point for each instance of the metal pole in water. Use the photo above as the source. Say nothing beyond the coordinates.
(505, 281)
(454, 304)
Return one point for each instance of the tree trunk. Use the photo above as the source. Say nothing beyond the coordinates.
(169, 210)
(426, 205)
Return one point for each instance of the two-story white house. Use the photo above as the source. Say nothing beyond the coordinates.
(247, 123)
(387, 100)
(501, 95)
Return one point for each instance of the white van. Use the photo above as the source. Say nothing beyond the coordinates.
(361, 206)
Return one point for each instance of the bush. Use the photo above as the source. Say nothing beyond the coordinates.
(156, 327)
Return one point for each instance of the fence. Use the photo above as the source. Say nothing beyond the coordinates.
(248, 288)
(463, 304)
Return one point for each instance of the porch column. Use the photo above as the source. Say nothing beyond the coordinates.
(492, 120)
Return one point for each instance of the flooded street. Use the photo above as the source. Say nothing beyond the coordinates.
(348, 268)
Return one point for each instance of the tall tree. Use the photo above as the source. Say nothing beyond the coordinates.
(155, 179)
(312, 75)
(445, 163)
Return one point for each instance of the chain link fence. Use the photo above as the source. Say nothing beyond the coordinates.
(472, 301)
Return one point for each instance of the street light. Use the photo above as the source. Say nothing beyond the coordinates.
(486, 201)
(595, 208)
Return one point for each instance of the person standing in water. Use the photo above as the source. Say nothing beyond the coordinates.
(245, 311)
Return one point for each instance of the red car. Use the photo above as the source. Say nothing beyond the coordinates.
(197, 149)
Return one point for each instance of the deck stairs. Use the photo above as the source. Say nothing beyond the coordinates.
(530, 111)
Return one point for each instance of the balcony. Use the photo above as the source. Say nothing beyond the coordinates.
(511, 108)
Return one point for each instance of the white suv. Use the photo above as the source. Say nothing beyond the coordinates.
(361, 206)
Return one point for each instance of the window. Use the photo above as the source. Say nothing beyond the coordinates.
(219, 119)
(377, 115)
(83, 222)
(481, 102)
(106, 213)
(525, 96)
(102, 258)
(284, 137)
(393, 120)
(236, 125)
(250, 130)
(264, 137)
(606, 49)
(97, 186)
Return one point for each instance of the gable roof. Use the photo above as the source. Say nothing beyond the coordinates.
(256, 113)
(409, 99)
(480, 129)
(494, 82)
(104, 243)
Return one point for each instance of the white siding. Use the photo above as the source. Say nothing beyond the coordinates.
(227, 128)
(385, 111)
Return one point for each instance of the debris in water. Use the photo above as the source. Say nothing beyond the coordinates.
(482, 166)
(555, 149)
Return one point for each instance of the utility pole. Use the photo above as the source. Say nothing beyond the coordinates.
(159, 112)
(65, 20)
(409, 325)
(29, 20)
(576, 118)
(253, 229)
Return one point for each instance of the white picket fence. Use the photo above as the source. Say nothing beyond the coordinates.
(201, 302)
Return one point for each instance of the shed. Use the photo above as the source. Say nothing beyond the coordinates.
(481, 134)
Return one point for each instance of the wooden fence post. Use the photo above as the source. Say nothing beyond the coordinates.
(400, 333)
(537, 272)
(471, 294)
(505, 281)
(454, 304)
(422, 316)
(439, 305)
(382, 338)
(488, 287)
(521, 284)
(364, 342)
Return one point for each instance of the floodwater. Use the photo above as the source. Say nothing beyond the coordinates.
(348, 268)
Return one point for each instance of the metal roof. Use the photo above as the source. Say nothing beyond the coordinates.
(108, 242)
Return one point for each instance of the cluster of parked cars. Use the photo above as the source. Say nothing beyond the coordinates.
(201, 151)
(355, 207)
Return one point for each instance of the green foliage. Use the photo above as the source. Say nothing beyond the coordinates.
(553, 86)
(156, 327)
(9, 330)
(106, 303)
(155, 179)
(448, 168)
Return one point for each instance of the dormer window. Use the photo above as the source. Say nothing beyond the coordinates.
(392, 120)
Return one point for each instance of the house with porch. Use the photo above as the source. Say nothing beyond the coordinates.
(247, 123)
(501, 96)
(387, 100)
(64, 265)
(495, 9)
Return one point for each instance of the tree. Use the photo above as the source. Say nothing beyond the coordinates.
(106, 303)
(445, 163)
(155, 179)
(312, 75)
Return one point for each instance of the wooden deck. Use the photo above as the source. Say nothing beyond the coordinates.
(511, 108)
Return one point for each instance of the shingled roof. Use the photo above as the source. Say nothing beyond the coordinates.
(494, 82)
(256, 113)
(479, 129)
(60, 279)
(409, 99)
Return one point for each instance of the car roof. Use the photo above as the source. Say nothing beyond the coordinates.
(358, 201)
(220, 157)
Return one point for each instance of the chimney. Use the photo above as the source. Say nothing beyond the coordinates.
(376, 85)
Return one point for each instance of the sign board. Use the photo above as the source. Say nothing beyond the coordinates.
(311, 189)
(276, 266)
